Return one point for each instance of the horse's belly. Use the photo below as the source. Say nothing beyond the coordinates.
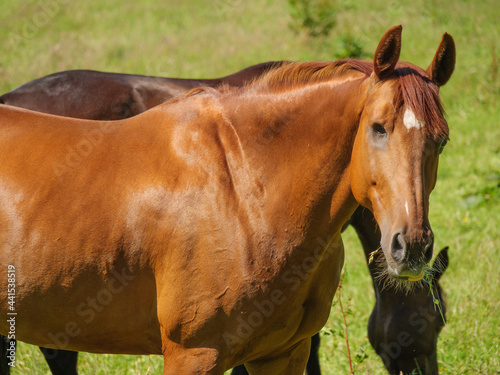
(111, 314)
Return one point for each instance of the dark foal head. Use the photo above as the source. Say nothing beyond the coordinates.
(405, 323)
(404, 327)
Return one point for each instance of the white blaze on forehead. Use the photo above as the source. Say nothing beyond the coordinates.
(411, 121)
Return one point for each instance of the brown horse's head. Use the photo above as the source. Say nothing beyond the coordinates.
(395, 156)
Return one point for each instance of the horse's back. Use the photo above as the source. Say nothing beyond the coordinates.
(57, 163)
(94, 95)
(85, 94)
(251, 73)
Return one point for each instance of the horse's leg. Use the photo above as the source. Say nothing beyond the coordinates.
(291, 362)
(239, 370)
(61, 362)
(313, 367)
(4, 361)
(200, 361)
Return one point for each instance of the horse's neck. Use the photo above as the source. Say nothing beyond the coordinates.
(298, 145)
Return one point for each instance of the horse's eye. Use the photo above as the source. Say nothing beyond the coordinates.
(442, 144)
(379, 130)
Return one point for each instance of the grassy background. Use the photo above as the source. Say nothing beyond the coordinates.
(195, 38)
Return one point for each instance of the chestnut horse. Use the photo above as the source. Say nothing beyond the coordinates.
(217, 229)
(121, 88)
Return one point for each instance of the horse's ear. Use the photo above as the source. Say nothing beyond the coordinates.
(387, 53)
(443, 64)
(441, 263)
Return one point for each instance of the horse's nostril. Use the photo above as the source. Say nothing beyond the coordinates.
(398, 247)
(428, 250)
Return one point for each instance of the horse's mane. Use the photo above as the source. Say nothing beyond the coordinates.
(415, 90)
(291, 75)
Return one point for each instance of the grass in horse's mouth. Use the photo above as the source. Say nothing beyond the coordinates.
(405, 284)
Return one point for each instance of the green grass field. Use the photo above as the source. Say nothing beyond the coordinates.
(206, 39)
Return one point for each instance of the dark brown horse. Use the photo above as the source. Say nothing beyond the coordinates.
(92, 95)
(402, 249)
(404, 326)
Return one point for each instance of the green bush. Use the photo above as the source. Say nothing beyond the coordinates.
(314, 17)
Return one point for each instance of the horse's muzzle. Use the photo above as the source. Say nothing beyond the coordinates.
(410, 256)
